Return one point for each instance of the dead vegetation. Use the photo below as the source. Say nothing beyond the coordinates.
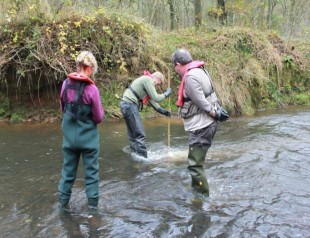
(250, 70)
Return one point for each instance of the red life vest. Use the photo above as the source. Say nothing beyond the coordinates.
(191, 65)
(79, 77)
(146, 98)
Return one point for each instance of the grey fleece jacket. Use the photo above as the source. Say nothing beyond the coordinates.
(197, 84)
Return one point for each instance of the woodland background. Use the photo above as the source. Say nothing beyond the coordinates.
(257, 52)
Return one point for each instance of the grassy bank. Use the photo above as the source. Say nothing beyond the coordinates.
(251, 70)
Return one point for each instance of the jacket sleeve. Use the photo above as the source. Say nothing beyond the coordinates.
(97, 109)
(61, 94)
(155, 105)
(151, 91)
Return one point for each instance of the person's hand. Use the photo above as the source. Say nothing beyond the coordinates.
(213, 113)
(167, 113)
(168, 92)
(220, 114)
(164, 112)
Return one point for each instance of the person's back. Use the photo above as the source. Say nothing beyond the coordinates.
(82, 111)
(197, 78)
(80, 118)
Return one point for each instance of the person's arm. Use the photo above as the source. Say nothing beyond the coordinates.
(159, 109)
(61, 94)
(97, 109)
(151, 91)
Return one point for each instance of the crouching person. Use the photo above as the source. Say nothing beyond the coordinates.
(140, 92)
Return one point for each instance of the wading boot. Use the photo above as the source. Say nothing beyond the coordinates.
(63, 203)
(93, 203)
(196, 159)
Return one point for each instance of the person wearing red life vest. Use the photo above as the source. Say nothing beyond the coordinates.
(199, 108)
(141, 91)
(82, 110)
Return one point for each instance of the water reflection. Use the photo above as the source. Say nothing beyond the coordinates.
(258, 171)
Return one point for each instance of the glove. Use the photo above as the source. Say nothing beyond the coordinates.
(164, 112)
(168, 92)
(221, 114)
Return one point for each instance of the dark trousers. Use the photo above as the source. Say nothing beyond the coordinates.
(135, 130)
(202, 137)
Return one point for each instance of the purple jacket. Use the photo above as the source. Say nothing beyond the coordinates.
(91, 97)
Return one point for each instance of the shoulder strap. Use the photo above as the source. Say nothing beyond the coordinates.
(209, 78)
(77, 101)
(187, 99)
(134, 93)
(137, 96)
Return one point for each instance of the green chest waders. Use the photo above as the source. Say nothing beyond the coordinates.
(80, 138)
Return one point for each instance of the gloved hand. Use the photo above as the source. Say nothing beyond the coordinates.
(168, 92)
(221, 114)
(164, 112)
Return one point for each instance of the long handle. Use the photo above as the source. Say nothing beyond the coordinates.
(169, 108)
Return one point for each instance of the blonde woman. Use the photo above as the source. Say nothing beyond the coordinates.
(82, 111)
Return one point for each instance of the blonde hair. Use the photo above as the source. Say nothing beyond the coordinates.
(159, 76)
(86, 58)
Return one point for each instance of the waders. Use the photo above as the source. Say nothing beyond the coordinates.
(80, 139)
(196, 159)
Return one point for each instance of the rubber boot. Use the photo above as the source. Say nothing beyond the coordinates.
(93, 204)
(196, 159)
(63, 203)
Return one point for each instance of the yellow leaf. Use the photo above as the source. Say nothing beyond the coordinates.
(77, 24)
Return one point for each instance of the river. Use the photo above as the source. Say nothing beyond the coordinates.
(258, 170)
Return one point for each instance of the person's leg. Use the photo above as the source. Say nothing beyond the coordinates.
(135, 130)
(196, 159)
(68, 175)
(125, 109)
(91, 173)
(199, 143)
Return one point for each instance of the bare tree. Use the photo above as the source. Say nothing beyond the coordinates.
(198, 13)
(271, 6)
(222, 9)
(172, 14)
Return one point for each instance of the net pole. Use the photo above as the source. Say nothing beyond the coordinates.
(169, 108)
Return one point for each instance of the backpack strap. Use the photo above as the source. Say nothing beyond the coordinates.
(140, 105)
(187, 99)
(77, 101)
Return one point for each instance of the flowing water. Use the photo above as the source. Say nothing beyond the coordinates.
(258, 170)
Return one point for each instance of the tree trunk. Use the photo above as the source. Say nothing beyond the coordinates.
(172, 15)
(153, 10)
(271, 6)
(198, 13)
(222, 10)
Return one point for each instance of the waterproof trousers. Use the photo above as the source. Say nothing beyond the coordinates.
(80, 139)
(199, 143)
(135, 130)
